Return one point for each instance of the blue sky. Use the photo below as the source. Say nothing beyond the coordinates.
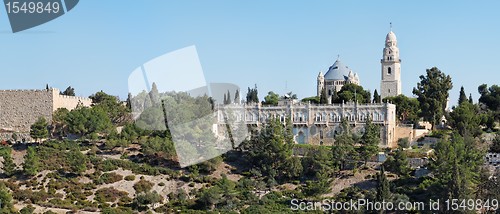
(278, 45)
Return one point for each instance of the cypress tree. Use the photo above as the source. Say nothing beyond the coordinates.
(383, 192)
(463, 97)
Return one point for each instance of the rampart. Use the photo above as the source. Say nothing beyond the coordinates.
(19, 109)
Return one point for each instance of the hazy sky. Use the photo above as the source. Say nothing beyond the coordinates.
(278, 45)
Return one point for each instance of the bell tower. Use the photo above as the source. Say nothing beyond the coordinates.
(391, 67)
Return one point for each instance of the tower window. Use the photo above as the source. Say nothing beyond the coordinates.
(389, 90)
(389, 71)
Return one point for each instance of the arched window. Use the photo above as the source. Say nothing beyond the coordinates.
(389, 71)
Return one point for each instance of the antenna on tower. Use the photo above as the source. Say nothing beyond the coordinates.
(390, 25)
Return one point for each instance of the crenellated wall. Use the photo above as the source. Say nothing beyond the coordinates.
(68, 102)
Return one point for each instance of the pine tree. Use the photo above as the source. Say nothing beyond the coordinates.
(39, 129)
(77, 161)
(471, 101)
(6, 205)
(383, 192)
(463, 97)
(9, 167)
(401, 165)
(31, 162)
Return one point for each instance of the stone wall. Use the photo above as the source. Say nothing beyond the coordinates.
(21, 108)
(68, 102)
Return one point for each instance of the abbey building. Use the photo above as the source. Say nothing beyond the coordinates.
(319, 124)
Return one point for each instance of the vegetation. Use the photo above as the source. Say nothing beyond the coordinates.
(271, 99)
(407, 110)
(432, 94)
(31, 162)
(39, 129)
(353, 92)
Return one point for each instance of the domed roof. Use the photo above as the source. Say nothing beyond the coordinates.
(390, 36)
(337, 71)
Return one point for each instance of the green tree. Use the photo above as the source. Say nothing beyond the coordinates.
(407, 109)
(343, 148)
(490, 96)
(6, 198)
(70, 91)
(76, 160)
(59, 124)
(462, 98)
(252, 95)
(352, 92)
(376, 97)
(323, 99)
(471, 101)
(39, 129)
(432, 93)
(370, 140)
(271, 149)
(456, 167)
(31, 162)
(465, 119)
(314, 100)
(399, 163)
(114, 108)
(383, 191)
(271, 99)
(9, 167)
(84, 121)
(237, 96)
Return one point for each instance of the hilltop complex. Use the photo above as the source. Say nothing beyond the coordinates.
(319, 124)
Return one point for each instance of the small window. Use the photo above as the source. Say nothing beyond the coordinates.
(389, 71)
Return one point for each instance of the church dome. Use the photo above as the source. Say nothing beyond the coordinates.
(337, 71)
(390, 36)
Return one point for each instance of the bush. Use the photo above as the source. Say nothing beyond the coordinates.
(109, 178)
(109, 195)
(27, 209)
(143, 186)
(130, 177)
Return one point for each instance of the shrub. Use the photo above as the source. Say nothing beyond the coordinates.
(130, 177)
(143, 186)
(109, 178)
(109, 195)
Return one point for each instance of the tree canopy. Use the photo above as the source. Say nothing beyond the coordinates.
(352, 92)
(271, 99)
(407, 109)
(39, 129)
(70, 91)
(432, 93)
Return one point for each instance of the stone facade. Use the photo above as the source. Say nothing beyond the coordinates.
(317, 124)
(21, 108)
